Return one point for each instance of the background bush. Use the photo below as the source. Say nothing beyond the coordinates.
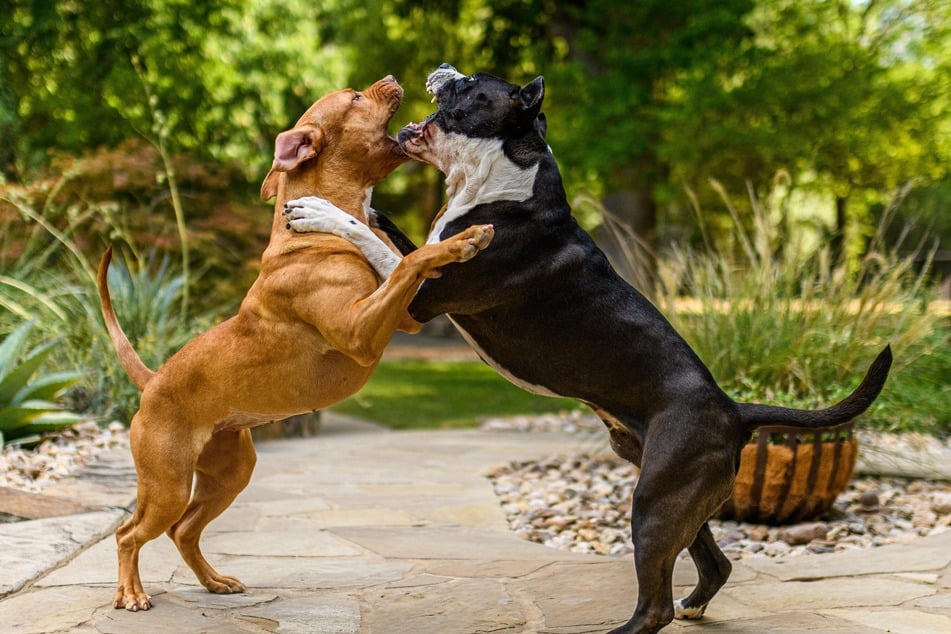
(777, 322)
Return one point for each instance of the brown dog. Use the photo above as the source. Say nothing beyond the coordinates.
(287, 351)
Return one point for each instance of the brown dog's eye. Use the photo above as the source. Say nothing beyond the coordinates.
(357, 96)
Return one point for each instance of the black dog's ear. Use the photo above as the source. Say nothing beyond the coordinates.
(532, 93)
(541, 125)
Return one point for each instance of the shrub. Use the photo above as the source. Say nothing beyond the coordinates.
(777, 324)
(52, 282)
(27, 401)
(122, 195)
(146, 299)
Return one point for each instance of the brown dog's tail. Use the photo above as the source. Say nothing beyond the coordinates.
(753, 415)
(128, 357)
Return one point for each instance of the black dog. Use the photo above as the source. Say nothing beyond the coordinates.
(543, 307)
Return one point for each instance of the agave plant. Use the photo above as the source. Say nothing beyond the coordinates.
(27, 400)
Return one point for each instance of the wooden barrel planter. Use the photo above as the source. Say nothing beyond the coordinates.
(788, 475)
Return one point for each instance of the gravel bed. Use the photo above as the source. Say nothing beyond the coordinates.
(58, 456)
(582, 502)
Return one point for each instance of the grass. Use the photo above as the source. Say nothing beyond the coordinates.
(418, 394)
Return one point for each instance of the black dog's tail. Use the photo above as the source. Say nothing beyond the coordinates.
(753, 415)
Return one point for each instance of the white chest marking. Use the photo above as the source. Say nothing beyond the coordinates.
(366, 204)
(511, 378)
(480, 174)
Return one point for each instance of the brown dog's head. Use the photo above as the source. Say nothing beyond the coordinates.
(347, 130)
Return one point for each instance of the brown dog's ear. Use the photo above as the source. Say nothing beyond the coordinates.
(269, 187)
(291, 148)
(295, 146)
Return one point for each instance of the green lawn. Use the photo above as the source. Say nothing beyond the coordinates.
(408, 394)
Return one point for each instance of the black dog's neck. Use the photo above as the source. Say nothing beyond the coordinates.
(525, 150)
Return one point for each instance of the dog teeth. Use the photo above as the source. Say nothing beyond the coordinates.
(433, 100)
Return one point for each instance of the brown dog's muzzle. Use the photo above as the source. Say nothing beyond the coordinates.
(386, 90)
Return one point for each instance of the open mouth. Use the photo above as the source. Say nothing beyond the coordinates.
(414, 135)
(431, 89)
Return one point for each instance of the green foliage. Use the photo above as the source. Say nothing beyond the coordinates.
(778, 323)
(426, 394)
(850, 98)
(122, 195)
(847, 97)
(27, 401)
(224, 75)
(52, 282)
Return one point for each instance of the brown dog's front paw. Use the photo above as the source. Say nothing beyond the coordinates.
(484, 235)
(476, 238)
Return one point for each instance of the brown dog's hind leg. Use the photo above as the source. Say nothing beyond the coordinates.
(223, 471)
(165, 475)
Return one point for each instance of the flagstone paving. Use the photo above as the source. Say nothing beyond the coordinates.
(361, 530)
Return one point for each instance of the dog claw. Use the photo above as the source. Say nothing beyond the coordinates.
(133, 603)
(488, 232)
(221, 584)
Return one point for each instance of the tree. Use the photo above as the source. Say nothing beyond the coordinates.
(847, 97)
(608, 64)
(224, 76)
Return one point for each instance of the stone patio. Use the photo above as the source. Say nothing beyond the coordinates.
(362, 530)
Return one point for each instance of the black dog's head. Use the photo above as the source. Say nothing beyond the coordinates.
(476, 106)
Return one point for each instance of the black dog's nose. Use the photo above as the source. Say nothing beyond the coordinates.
(445, 66)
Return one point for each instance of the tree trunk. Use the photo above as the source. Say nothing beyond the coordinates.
(837, 243)
(629, 233)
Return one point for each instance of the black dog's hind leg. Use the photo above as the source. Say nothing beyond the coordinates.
(713, 569)
(682, 483)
